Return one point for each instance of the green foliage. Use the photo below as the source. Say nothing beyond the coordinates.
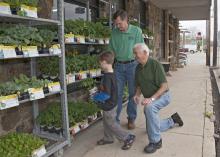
(47, 36)
(74, 63)
(133, 22)
(87, 29)
(17, 3)
(33, 3)
(19, 144)
(147, 32)
(21, 35)
(88, 83)
(13, 3)
(21, 84)
(77, 111)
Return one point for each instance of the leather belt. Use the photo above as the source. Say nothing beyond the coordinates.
(125, 62)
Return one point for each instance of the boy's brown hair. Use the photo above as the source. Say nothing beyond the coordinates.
(107, 56)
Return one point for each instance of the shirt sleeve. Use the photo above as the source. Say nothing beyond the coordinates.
(160, 75)
(139, 37)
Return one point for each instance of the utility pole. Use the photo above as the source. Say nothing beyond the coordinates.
(208, 42)
(215, 34)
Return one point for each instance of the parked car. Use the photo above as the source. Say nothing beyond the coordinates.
(191, 48)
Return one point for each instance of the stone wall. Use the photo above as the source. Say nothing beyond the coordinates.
(155, 25)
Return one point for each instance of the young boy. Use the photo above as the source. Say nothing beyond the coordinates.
(109, 86)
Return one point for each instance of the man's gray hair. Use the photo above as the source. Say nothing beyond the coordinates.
(143, 47)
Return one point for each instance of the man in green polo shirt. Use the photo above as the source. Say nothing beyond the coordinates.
(122, 41)
(151, 81)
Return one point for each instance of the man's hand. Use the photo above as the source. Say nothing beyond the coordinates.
(146, 101)
(137, 99)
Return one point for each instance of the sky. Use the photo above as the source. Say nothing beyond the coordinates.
(199, 25)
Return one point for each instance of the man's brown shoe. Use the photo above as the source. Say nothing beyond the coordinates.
(131, 125)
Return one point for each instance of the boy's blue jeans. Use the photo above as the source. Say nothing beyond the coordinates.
(125, 73)
(154, 125)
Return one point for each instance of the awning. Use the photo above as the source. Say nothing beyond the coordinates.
(186, 9)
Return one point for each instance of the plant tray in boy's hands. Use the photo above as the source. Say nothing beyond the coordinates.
(101, 97)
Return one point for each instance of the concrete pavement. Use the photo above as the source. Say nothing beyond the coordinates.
(191, 97)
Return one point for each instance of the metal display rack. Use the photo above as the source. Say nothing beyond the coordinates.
(61, 140)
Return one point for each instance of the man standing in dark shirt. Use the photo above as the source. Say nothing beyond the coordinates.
(109, 86)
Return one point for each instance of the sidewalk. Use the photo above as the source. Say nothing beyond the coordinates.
(191, 97)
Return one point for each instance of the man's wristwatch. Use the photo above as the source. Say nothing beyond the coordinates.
(152, 99)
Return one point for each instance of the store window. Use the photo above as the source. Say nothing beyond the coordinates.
(75, 9)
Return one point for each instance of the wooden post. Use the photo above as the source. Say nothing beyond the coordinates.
(166, 44)
(215, 34)
(208, 42)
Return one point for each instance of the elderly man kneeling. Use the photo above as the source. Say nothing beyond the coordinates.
(151, 81)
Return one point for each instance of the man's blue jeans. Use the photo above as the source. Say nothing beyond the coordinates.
(154, 125)
(125, 74)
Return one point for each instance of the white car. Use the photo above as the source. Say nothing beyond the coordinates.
(191, 48)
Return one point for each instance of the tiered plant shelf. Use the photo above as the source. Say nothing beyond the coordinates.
(64, 138)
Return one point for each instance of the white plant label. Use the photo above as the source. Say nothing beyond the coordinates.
(55, 49)
(7, 52)
(30, 11)
(54, 87)
(5, 8)
(36, 93)
(39, 152)
(30, 51)
(8, 101)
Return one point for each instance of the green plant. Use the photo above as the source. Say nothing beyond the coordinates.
(13, 3)
(33, 3)
(47, 37)
(147, 32)
(88, 83)
(19, 144)
(133, 22)
(23, 35)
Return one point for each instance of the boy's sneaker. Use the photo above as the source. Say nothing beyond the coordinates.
(177, 119)
(128, 142)
(152, 147)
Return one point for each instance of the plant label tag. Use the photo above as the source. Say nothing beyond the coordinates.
(36, 93)
(84, 74)
(98, 72)
(101, 41)
(75, 129)
(69, 38)
(82, 39)
(8, 52)
(71, 78)
(106, 41)
(30, 51)
(55, 49)
(54, 87)
(39, 152)
(84, 125)
(5, 8)
(8, 101)
(93, 73)
(30, 11)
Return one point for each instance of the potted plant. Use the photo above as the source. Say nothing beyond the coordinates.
(15, 6)
(47, 37)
